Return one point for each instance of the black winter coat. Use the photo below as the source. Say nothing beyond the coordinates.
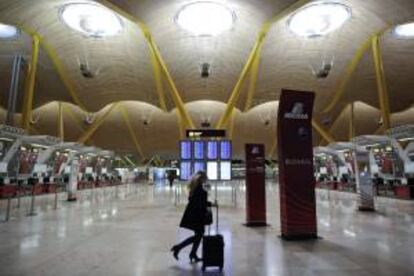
(195, 212)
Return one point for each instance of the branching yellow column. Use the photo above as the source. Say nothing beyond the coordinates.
(174, 92)
(50, 51)
(381, 82)
(125, 116)
(254, 55)
(351, 121)
(156, 53)
(350, 69)
(61, 122)
(236, 91)
(91, 130)
(76, 120)
(231, 126)
(322, 132)
(253, 79)
(30, 84)
(130, 161)
(181, 127)
(158, 79)
(272, 149)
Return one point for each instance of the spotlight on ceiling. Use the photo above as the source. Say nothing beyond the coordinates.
(8, 32)
(91, 19)
(205, 18)
(405, 30)
(319, 19)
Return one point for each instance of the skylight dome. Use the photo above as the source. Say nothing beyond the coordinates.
(205, 18)
(8, 32)
(405, 30)
(319, 19)
(91, 19)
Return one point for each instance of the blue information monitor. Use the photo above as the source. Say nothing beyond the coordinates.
(185, 170)
(199, 150)
(225, 150)
(199, 166)
(185, 149)
(212, 150)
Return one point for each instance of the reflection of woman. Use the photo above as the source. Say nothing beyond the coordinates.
(194, 216)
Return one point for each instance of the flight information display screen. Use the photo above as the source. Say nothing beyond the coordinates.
(199, 166)
(199, 150)
(212, 150)
(225, 170)
(212, 170)
(225, 150)
(185, 149)
(185, 170)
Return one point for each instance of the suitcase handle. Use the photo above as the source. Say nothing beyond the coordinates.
(215, 204)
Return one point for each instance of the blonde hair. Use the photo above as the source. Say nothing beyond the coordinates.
(197, 179)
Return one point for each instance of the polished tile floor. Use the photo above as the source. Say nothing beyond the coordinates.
(128, 231)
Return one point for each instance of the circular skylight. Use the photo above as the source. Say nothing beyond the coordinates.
(205, 18)
(8, 32)
(91, 19)
(319, 19)
(405, 30)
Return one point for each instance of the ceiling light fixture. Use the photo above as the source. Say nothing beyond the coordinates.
(8, 32)
(319, 19)
(91, 19)
(205, 18)
(405, 30)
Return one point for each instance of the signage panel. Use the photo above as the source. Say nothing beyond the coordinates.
(185, 170)
(363, 180)
(255, 185)
(205, 133)
(212, 167)
(199, 166)
(185, 149)
(296, 172)
(198, 150)
(212, 153)
(225, 170)
(225, 150)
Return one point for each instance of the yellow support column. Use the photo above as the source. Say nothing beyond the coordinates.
(253, 79)
(381, 83)
(30, 84)
(127, 121)
(51, 52)
(350, 69)
(322, 132)
(155, 52)
(253, 55)
(91, 130)
(158, 79)
(130, 161)
(174, 91)
(272, 149)
(61, 122)
(236, 91)
(76, 120)
(231, 126)
(351, 121)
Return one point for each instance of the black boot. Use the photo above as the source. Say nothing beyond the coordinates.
(194, 258)
(175, 250)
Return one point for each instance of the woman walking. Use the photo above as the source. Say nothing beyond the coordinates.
(195, 216)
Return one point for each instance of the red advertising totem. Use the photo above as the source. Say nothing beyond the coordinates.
(295, 154)
(255, 185)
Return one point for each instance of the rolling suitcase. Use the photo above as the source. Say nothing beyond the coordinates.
(213, 248)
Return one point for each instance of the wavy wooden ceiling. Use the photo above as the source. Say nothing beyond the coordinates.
(125, 71)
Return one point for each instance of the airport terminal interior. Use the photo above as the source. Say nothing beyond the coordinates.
(294, 117)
